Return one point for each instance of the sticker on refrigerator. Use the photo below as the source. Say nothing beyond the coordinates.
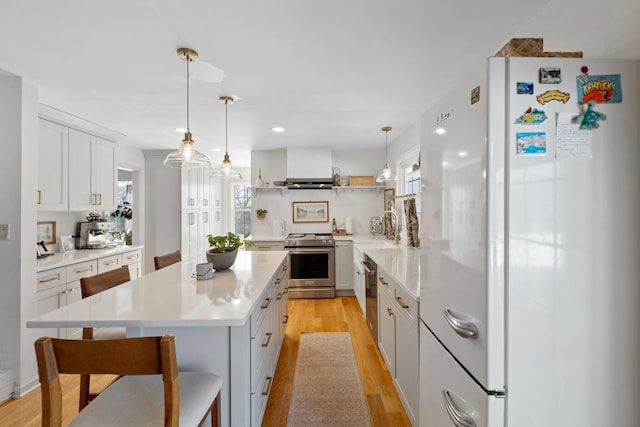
(571, 141)
(475, 94)
(524, 88)
(531, 143)
(532, 116)
(602, 89)
(553, 95)
(550, 75)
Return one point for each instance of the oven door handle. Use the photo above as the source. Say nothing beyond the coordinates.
(309, 250)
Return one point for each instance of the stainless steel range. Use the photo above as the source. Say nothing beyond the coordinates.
(311, 265)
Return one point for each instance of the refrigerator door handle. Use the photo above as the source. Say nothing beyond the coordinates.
(464, 328)
(460, 419)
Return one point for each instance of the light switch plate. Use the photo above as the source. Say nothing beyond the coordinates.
(4, 232)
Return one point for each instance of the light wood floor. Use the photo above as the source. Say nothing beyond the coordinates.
(335, 315)
(330, 315)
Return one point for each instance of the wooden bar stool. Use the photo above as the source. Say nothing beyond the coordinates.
(152, 392)
(163, 261)
(91, 286)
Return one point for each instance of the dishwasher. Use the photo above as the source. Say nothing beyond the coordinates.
(371, 283)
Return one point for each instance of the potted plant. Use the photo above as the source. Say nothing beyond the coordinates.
(262, 213)
(223, 249)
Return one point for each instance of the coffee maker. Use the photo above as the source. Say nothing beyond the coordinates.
(96, 233)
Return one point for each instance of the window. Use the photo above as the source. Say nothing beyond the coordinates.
(241, 208)
(410, 178)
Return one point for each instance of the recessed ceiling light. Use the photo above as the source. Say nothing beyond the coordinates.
(277, 129)
(181, 130)
(215, 149)
(440, 131)
(444, 163)
(462, 153)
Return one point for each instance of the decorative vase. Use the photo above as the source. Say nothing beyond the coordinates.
(221, 260)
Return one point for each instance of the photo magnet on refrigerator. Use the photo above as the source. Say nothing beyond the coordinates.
(524, 88)
(550, 75)
(531, 143)
(475, 95)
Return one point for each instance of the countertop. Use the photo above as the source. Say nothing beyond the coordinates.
(80, 255)
(396, 260)
(171, 297)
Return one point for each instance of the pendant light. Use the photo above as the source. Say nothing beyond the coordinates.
(387, 174)
(225, 170)
(187, 156)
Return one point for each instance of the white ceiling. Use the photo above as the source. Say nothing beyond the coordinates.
(332, 72)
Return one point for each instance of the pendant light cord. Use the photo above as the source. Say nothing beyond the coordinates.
(188, 60)
(226, 126)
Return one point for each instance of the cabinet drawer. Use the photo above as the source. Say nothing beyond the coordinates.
(407, 305)
(131, 257)
(260, 395)
(262, 347)
(78, 271)
(261, 311)
(109, 263)
(385, 283)
(50, 278)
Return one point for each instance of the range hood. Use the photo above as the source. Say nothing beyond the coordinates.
(309, 183)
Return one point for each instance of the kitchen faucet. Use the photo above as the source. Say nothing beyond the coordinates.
(394, 225)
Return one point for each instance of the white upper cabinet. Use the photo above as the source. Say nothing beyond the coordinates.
(77, 170)
(53, 177)
(92, 172)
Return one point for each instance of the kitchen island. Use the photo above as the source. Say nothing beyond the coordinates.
(224, 325)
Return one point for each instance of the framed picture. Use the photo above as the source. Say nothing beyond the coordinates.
(310, 212)
(66, 244)
(389, 199)
(46, 232)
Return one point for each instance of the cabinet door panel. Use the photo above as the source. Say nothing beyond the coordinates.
(53, 151)
(105, 176)
(387, 330)
(81, 194)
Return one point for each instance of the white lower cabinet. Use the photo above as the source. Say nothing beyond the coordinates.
(133, 260)
(344, 269)
(359, 279)
(61, 286)
(399, 340)
(266, 341)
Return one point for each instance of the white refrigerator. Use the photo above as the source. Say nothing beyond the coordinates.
(530, 259)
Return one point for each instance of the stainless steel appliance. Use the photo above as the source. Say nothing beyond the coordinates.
(311, 265)
(371, 292)
(95, 234)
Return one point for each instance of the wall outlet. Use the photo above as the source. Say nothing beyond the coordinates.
(4, 232)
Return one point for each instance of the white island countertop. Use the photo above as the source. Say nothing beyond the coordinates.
(171, 297)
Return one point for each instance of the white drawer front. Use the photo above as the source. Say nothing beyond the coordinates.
(78, 271)
(407, 305)
(50, 278)
(109, 263)
(132, 257)
(262, 349)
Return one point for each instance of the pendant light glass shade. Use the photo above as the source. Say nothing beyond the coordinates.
(386, 174)
(187, 156)
(226, 170)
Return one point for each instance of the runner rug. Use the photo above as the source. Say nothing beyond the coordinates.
(326, 385)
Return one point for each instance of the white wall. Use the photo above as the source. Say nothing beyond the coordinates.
(162, 205)
(18, 184)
